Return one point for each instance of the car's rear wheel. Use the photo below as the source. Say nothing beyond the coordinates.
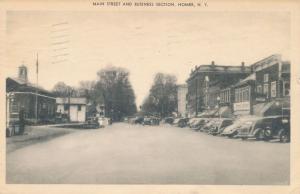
(267, 134)
(284, 137)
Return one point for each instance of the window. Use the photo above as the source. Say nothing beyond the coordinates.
(66, 107)
(79, 107)
(286, 88)
(266, 90)
(266, 77)
(273, 89)
(259, 89)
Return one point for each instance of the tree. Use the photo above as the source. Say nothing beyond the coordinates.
(86, 89)
(114, 90)
(162, 98)
(62, 90)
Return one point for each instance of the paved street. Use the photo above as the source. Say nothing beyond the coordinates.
(133, 154)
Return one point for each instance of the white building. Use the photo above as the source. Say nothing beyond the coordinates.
(74, 107)
(181, 99)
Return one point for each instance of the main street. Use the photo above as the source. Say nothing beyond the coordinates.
(135, 154)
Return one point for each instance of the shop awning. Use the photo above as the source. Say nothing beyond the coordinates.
(273, 108)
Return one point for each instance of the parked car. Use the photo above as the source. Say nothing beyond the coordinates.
(267, 128)
(232, 130)
(199, 123)
(192, 121)
(206, 127)
(183, 122)
(169, 120)
(219, 125)
(176, 121)
(139, 120)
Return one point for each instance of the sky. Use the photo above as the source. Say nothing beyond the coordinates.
(143, 42)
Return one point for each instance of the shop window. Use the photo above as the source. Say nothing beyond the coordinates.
(66, 107)
(266, 77)
(273, 89)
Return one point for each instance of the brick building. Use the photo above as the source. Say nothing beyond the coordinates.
(206, 82)
(37, 103)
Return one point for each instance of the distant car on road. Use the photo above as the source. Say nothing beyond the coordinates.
(266, 128)
(169, 120)
(151, 121)
(139, 120)
(219, 125)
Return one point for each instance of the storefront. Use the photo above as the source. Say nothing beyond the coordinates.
(243, 96)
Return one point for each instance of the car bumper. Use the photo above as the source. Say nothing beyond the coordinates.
(245, 135)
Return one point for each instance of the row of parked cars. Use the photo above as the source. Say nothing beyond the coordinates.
(260, 128)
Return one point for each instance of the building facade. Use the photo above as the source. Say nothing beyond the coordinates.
(266, 91)
(37, 104)
(262, 89)
(75, 108)
(206, 82)
(181, 100)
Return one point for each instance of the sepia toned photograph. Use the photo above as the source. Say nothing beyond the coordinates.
(148, 97)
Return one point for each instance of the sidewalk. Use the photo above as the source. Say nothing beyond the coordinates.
(35, 134)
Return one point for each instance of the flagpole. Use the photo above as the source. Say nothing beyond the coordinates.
(36, 89)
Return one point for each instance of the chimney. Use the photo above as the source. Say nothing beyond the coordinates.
(23, 73)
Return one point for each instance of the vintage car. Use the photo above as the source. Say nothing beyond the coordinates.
(151, 121)
(176, 121)
(199, 123)
(139, 120)
(183, 122)
(169, 120)
(266, 128)
(232, 130)
(192, 121)
(208, 125)
(219, 125)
